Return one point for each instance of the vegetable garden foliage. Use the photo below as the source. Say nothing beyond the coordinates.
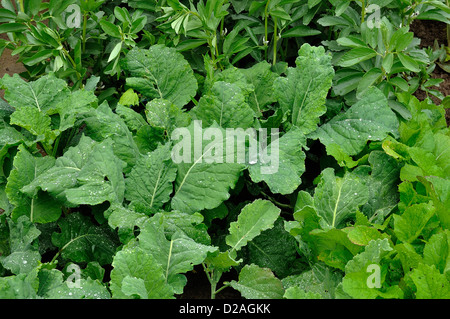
(93, 206)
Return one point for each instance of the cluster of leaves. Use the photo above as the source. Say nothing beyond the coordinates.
(362, 181)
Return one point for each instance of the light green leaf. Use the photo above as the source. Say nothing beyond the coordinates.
(287, 163)
(409, 225)
(430, 283)
(437, 251)
(39, 207)
(253, 219)
(338, 198)
(303, 92)
(370, 119)
(363, 278)
(258, 283)
(161, 72)
(136, 263)
(203, 179)
(176, 256)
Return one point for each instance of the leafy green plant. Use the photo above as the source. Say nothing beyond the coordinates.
(94, 203)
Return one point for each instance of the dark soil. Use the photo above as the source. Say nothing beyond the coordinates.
(429, 32)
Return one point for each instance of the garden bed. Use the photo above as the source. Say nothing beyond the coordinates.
(118, 181)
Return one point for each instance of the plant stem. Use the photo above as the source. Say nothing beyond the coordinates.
(22, 7)
(363, 10)
(275, 39)
(266, 18)
(84, 31)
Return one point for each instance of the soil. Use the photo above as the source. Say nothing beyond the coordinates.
(8, 64)
(429, 32)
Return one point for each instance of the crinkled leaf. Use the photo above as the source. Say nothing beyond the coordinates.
(224, 104)
(80, 240)
(42, 94)
(262, 78)
(39, 207)
(303, 92)
(134, 262)
(338, 198)
(24, 254)
(176, 256)
(102, 124)
(150, 180)
(161, 72)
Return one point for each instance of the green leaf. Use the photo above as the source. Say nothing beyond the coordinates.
(437, 251)
(253, 219)
(110, 29)
(163, 114)
(287, 163)
(12, 27)
(355, 56)
(361, 273)
(39, 207)
(258, 283)
(102, 123)
(224, 104)
(203, 180)
(370, 119)
(430, 283)
(383, 186)
(52, 286)
(150, 180)
(80, 240)
(161, 72)
(42, 94)
(134, 262)
(129, 98)
(264, 251)
(409, 225)
(338, 198)
(262, 78)
(22, 286)
(408, 62)
(24, 254)
(176, 256)
(303, 92)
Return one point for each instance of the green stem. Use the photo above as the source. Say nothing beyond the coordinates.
(22, 7)
(266, 18)
(275, 40)
(363, 10)
(211, 281)
(84, 31)
(74, 65)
